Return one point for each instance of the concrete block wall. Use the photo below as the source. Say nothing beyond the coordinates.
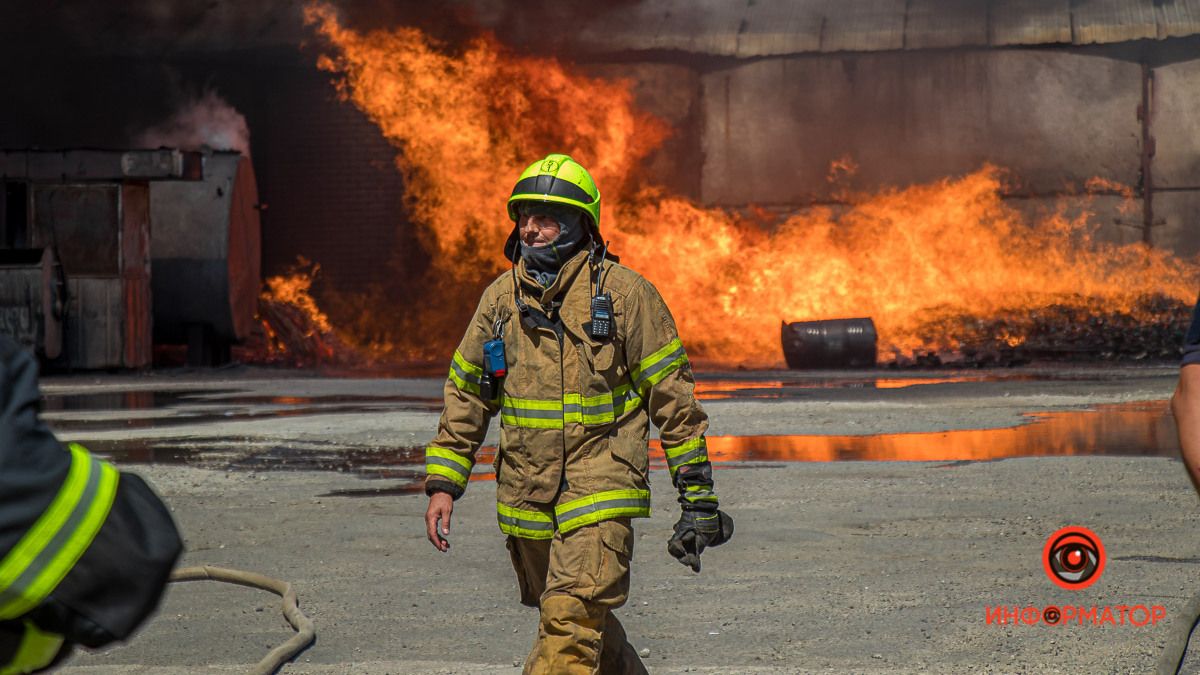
(771, 128)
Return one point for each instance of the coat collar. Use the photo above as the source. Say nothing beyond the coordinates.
(532, 290)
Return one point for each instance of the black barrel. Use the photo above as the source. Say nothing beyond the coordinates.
(833, 343)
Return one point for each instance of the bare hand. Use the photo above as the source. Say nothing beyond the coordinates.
(441, 505)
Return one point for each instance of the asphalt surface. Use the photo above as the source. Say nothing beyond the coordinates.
(852, 566)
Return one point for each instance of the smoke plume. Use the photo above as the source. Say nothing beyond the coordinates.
(206, 121)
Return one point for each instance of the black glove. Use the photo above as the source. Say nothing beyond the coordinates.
(696, 531)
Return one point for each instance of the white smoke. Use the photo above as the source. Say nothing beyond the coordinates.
(204, 122)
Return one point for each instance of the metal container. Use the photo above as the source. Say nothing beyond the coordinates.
(92, 209)
(32, 297)
(206, 257)
(833, 343)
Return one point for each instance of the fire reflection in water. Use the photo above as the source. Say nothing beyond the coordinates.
(1134, 429)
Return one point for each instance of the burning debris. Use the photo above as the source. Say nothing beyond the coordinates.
(293, 330)
(1077, 328)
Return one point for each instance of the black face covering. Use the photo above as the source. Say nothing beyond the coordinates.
(544, 262)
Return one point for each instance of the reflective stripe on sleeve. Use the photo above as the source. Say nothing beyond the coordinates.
(602, 506)
(36, 650)
(625, 398)
(464, 374)
(448, 464)
(524, 524)
(694, 451)
(699, 493)
(52, 546)
(652, 369)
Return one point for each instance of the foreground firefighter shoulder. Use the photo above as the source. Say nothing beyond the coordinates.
(576, 355)
(85, 551)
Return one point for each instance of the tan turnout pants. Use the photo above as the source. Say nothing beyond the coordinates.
(576, 580)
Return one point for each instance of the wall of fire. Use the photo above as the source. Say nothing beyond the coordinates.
(766, 131)
(758, 130)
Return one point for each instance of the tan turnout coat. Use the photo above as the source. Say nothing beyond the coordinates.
(574, 411)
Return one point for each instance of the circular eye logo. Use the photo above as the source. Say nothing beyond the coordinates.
(1073, 558)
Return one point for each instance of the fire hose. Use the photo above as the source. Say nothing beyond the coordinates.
(1177, 641)
(305, 632)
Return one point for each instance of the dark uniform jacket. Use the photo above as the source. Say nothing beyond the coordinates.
(85, 550)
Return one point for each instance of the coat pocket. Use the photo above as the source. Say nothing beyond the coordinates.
(631, 450)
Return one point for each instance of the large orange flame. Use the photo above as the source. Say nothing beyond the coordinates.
(466, 123)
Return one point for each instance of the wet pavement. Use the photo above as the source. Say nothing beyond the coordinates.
(1129, 429)
(176, 408)
(845, 560)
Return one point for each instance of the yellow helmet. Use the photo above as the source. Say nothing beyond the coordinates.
(557, 178)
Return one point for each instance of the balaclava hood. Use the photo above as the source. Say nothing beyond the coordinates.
(544, 262)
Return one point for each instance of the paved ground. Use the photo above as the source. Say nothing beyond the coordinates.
(836, 566)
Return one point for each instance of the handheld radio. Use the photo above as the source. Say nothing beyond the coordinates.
(603, 324)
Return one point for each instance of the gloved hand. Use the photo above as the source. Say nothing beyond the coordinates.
(695, 532)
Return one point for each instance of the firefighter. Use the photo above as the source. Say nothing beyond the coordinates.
(85, 550)
(1185, 404)
(576, 354)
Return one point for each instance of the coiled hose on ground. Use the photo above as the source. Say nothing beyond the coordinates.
(305, 632)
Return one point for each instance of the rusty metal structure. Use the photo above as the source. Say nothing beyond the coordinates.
(205, 257)
(32, 297)
(88, 211)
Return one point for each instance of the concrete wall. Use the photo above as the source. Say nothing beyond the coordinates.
(771, 128)
(1176, 128)
(774, 126)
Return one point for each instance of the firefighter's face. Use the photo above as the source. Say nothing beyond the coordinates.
(537, 227)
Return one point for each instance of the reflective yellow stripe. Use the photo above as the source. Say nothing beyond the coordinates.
(591, 411)
(654, 358)
(573, 408)
(693, 451)
(48, 551)
(461, 460)
(532, 404)
(466, 365)
(531, 413)
(448, 464)
(602, 506)
(464, 374)
(625, 398)
(524, 524)
(36, 651)
(652, 369)
(667, 370)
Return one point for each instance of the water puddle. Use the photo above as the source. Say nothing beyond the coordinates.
(787, 387)
(172, 409)
(1135, 429)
